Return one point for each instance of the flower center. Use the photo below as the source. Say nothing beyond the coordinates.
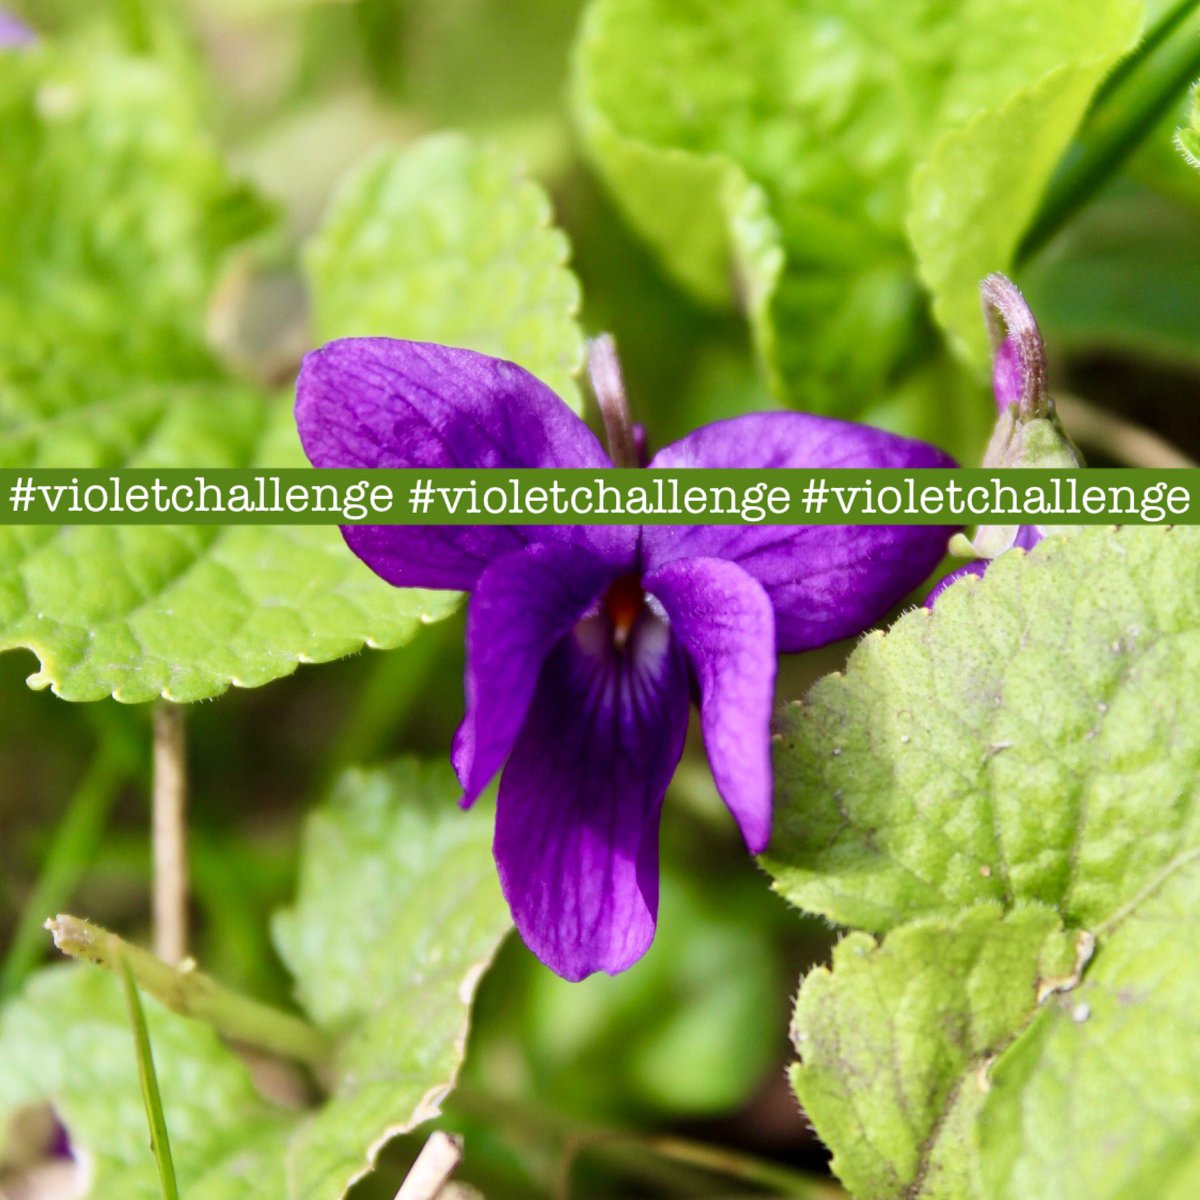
(623, 602)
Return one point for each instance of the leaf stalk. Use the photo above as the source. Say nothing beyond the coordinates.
(190, 993)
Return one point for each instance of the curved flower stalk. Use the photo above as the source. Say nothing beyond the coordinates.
(1027, 433)
(585, 643)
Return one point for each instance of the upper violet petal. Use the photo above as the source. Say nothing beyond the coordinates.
(723, 619)
(577, 817)
(824, 581)
(379, 402)
(522, 605)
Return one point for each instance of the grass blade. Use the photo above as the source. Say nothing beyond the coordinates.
(160, 1142)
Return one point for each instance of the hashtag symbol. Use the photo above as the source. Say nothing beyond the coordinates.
(420, 496)
(815, 493)
(21, 495)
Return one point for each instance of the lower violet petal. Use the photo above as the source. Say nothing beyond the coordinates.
(578, 812)
(723, 619)
(522, 605)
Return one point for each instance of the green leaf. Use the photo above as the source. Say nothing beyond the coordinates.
(118, 214)
(1027, 742)
(772, 145)
(450, 242)
(398, 914)
(66, 1041)
(121, 214)
(983, 183)
(1023, 741)
(997, 1057)
(1098, 1098)
(184, 612)
(897, 1041)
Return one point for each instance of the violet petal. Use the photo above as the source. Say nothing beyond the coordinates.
(379, 402)
(522, 605)
(723, 618)
(824, 581)
(1027, 537)
(577, 817)
(977, 566)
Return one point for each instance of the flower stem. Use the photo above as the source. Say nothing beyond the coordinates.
(170, 833)
(604, 370)
(187, 991)
(1097, 161)
(1120, 440)
(639, 1154)
(714, 1160)
(160, 1142)
(429, 1174)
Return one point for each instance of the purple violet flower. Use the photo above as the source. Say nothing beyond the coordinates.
(585, 643)
(14, 32)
